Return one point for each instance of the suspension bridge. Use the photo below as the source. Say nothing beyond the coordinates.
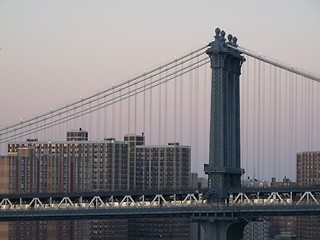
(272, 104)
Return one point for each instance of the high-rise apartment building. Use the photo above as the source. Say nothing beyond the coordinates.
(308, 169)
(66, 166)
(81, 165)
(308, 175)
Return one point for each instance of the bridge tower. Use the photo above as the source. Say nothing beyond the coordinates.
(224, 170)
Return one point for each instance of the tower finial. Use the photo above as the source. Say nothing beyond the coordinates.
(217, 33)
(234, 41)
(223, 34)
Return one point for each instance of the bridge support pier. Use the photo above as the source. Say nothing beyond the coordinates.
(223, 229)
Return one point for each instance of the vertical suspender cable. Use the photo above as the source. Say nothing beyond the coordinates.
(247, 115)
(259, 110)
(181, 106)
(150, 112)
(318, 117)
(254, 117)
(205, 110)
(280, 128)
(120, 135)
(44, 132)
(129, 112)
(105, 119)
(135, 109)
(263, 158)
(175, 103)
(159, 112)
(196, 114)
(144, 104)
(165, 127)
(243, 77)
(144, 130)
(113, 113)
(159, 122)
(275, 124)
(310, 114)
(51, 128)
(307, 114)
(59, 128)
(67, 123)
(76, 120)
(302, 130)
(135, 135)
(165, 108)
(270, 169)
(290, 121)
(295, 118)
(82, 117)
(286, 123)
(98, 123)
(306, 117)
(191, 115)
(90, 122)
(313, 87)
(129, 135)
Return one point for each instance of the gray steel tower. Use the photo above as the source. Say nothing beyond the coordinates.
(224, 170)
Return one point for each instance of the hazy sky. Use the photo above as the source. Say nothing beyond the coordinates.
(53, 52)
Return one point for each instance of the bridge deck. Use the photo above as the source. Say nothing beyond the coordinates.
(186, 203)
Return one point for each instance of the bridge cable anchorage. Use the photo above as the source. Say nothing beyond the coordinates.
(77, 104)
(276, 63)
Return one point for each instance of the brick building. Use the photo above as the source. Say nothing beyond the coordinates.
(308, 175)
(81, 165)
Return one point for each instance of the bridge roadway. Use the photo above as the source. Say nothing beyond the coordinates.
(243, 203)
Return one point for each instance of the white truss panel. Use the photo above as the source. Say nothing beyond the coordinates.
(190, 199)
(127, 201)
(6, 204)
(158, 201)
(275, 198)
(66, 203)
(35, 203)
(96, 202)
(242, 199)
(308, 198)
